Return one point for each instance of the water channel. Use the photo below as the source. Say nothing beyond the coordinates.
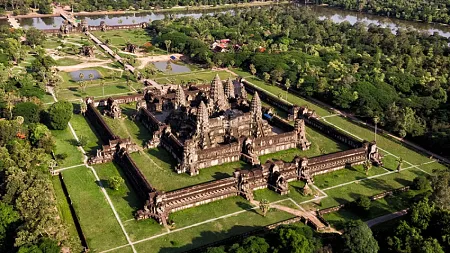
(336, 15)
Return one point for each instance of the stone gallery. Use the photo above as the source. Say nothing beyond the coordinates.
(207, 125)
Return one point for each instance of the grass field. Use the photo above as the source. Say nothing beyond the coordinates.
(119, 38)
(96, 217)
(84, 130)
(65, 143)
(67, 62)
(66, 215)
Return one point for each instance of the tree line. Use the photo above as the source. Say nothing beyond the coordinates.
(400, 80)
(416, 10)
(29, 218)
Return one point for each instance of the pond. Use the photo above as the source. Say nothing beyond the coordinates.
(86, 72)
(41, 23)
(176, 68)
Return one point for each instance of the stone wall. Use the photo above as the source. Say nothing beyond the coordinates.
(134, 175)
(275, 143)
(96, 119)
(218, 155)
(199, 194)
(333, 132)
(339, 160)
(97, 28)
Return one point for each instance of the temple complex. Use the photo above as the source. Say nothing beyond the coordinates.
(211, 125)
(207, 125)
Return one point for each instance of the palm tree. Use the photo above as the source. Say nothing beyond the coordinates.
(400, 164)
(169, 66)
(376, 119)
(287, 84)
(82, 86)
(102, 83)
(81, 76)
(91, 77)
(167, 42)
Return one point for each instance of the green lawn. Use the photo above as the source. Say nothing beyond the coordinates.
(119, 38)
(275, 90)
(378, 208)
(180, 241)
(320, 144)
(84, 130)
(66, 143)
(67, 62)
(390, 145)
(369, 187)
(96, 217)
(124, 127)
(158, 167)
(66, 215)
(116, 89)
(345, 175)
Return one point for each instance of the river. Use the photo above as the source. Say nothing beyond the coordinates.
(336, 15)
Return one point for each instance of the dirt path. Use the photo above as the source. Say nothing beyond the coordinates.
(145, 60)
(84, 65)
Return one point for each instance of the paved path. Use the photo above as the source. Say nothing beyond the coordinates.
(386, 217)
(13, 22)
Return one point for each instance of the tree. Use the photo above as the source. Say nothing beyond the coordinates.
(115, 182)
(82, 141)
(91, 77)
(102, 83)
(167, 43)
(440, 183)
(399, 164)
(252, 69)
(266, 77)
(367, 165)
(29, 111)
(34, 37)
(363, 203)
(421, 183)
(264, 205)
(358, 238)
(376, 119)
(430, 245)
(41, 137)
(81, 76)
(295, 238)
(8, 216)
(287, 84)
(60, 114)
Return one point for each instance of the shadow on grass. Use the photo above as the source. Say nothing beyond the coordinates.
(220, 175)
(207, 239)
(102, 183)
(246, 206)
(163, 155)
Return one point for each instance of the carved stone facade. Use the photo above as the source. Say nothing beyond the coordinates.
(113, 109)
(204, 126)
(87, 51)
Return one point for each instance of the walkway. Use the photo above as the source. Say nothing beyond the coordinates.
(67, 16)
(386, 217)
(13, 22)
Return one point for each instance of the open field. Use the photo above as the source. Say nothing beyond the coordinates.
(84, 130)
(95, 215)
(65, 214)
(66, 144)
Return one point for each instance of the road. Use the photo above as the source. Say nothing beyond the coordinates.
(386, 217)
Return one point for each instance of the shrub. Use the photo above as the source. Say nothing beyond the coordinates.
(60, 114)
(363, 203)
(115, 182)
(421, 183)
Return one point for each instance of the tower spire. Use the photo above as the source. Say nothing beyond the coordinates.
(229, 89)
(256, 124)
(180, 99)
(217, 94)
(203, 125)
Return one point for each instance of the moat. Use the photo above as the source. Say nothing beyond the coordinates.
(336, 15)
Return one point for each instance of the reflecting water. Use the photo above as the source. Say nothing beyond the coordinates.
(86, 72)
(162, 65)
(336, 15)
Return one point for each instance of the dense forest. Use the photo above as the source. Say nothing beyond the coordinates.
(429, 11)
(29, 219)
(400, 80)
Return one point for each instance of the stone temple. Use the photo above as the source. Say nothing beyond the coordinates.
(204, 126)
